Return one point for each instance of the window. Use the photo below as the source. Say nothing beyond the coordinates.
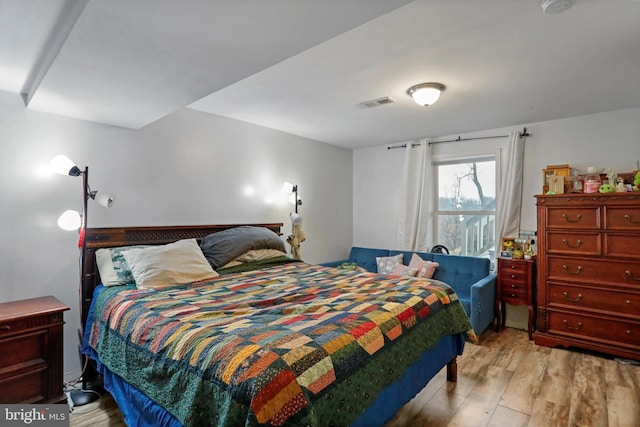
(465, 208)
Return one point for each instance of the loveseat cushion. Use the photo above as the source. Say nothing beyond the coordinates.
(459, 272)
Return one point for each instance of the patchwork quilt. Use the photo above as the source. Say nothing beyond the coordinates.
(295, 344)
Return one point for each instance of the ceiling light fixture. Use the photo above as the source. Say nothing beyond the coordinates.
(554, 7)
(426, 94)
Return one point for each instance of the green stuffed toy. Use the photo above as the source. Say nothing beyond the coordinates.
(607, 188)
(636, 182)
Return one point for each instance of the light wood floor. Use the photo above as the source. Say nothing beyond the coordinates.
(506, 381)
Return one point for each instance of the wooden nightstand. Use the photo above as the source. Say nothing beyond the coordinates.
(516, 286)
(31, 351)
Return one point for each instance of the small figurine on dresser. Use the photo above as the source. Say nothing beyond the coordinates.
(620, 187)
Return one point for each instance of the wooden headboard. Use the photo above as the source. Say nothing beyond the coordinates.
(96, 238)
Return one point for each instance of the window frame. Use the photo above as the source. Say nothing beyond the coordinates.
(437, 213)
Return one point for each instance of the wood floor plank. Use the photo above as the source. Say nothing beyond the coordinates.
(547, 414)
(508, 417)
(588, 398)
(558, 377)
(439, 410)
(479, 406)
(623, 406)
(524, 387)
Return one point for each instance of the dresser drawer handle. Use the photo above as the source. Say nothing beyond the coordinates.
(631, 220)
(513, 286)
(628, 301)
(628, 331)
(574, 272)
(628, 273)
(566, 218)
(5, 327)
(577, 245)
(573, 328)
(566, 295)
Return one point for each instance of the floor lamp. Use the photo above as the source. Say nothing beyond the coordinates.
(74, 220)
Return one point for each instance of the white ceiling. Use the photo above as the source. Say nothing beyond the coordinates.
(304, 66)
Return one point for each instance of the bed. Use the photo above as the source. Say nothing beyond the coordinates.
(272, 341)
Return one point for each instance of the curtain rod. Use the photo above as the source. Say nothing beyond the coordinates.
(523, 134)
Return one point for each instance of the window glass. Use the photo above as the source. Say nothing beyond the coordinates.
(466, 205)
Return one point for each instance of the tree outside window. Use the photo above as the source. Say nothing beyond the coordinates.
(466, 206)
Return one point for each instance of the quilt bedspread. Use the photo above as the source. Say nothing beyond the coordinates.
(295, 344)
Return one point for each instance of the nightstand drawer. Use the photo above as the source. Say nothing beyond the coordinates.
(23, 349)
(28, 387)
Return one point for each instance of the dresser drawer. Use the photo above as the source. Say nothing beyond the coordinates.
(603, 330)
(573, 218)
(594, 271)
(607, 301)
(622, 217)
(622, 245)
(584, 243)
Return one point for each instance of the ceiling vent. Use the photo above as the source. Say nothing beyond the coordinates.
(378, 102)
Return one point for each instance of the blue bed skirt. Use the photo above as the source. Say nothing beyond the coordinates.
(140, 411)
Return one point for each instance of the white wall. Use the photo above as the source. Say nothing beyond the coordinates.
(606, 140)
(189, 168)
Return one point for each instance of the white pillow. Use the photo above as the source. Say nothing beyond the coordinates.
(166, 265)
(387, 264)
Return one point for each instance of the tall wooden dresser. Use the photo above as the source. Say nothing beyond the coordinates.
(589, 272)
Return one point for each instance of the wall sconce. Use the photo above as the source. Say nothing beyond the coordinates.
(426, 94)
(71, 219)
(287, 187)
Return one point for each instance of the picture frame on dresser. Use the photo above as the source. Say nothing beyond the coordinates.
(553, 171)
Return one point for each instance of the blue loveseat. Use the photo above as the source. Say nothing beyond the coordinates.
(469, 277)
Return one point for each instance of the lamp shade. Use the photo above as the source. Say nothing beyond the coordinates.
(426, 94)
(70, 220)
(288, 187)
(102, 198)
(296, 219)
(63, 165)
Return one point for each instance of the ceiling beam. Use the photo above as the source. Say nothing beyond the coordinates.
(69, 14)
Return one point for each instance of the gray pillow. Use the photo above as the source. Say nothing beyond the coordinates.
(224, 246)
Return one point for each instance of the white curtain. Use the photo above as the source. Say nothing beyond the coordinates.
(510, 200)
(415, 216)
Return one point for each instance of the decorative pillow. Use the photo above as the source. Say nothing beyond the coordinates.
(166, 265)
(387, 264)
(255, 255)
(224, 246)
(424, 268)
(403, 270)
(112, 266)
